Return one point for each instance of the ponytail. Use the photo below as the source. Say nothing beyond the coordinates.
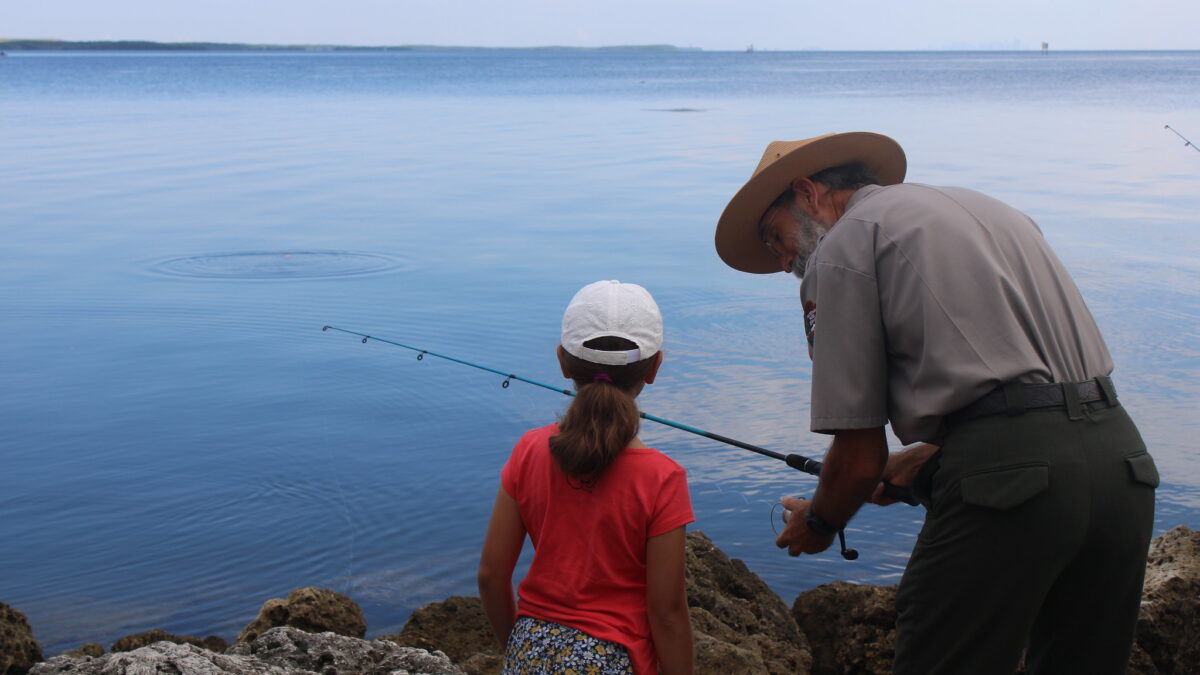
(603, 417)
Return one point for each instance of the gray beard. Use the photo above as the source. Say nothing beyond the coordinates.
(808, 235)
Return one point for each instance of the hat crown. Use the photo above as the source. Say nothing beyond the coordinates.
(612, 309)
(777, 150)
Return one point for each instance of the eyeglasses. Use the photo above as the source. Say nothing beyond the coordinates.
(768, 232)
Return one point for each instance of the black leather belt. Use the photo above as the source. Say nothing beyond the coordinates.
(1015, 398)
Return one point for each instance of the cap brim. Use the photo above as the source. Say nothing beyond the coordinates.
(737, 238)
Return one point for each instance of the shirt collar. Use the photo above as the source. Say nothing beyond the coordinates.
(861, 194)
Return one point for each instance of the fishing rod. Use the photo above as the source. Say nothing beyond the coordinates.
(1186, 142)
(798, 462)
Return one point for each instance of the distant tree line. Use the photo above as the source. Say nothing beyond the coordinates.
(146, 45)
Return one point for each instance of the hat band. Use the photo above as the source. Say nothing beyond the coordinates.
(609, 358)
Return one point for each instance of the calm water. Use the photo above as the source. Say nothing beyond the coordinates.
(182, 442)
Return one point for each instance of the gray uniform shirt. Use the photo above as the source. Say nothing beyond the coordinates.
(922, 299)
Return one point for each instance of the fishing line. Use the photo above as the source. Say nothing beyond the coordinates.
(774, 528)
(798, 462)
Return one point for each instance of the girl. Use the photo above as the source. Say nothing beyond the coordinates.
(605, 513)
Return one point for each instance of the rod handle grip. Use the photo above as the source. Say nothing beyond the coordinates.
(900, 494)
(802, 463)
(812, 466)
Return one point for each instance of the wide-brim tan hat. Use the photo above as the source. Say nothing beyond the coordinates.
(737, 238)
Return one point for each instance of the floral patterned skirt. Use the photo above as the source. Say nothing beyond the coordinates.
(537, 647)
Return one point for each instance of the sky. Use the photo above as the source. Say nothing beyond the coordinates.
(705, 24)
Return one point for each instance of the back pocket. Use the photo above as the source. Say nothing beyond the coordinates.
(1005, 487)
(1142, 469)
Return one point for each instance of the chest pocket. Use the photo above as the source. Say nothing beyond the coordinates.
(1005, 487)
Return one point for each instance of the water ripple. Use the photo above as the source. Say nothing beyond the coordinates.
(276, 265)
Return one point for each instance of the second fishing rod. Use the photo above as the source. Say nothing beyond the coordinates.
(796, 461)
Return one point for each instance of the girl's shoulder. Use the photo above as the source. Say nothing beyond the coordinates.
(538, 435)
(652, 457)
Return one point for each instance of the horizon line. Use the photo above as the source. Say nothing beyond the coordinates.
(52, 44)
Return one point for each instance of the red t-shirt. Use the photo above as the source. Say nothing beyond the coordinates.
(589, 561)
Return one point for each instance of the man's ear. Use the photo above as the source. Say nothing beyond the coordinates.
(806, 194)
(562, 361)
(653, 372)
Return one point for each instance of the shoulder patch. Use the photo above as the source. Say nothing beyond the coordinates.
(810, 321)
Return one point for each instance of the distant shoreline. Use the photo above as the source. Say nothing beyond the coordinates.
(51, 45)
(149, 46)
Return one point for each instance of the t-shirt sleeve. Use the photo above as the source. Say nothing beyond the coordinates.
(510, 475)
(673, 507)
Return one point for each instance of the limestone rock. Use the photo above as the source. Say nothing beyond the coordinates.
(1140, 663)
(738, 623)
(278, 651)
(331, 654)
(483, 664)
(1169, 620)
(716, 647)
(136, 641)
(92, 649)
(851, 628)
(459, 628)
(18, 649)
(160, 657)
(314, 610)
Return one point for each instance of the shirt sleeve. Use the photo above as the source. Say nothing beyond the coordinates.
(511, 473)
(848, 344)
(674, 505)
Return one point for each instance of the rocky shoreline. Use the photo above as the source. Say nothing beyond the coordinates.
(740, 626)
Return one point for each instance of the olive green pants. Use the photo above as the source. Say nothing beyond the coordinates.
(1036, 535)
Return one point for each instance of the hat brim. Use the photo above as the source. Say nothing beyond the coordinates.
(737, 238)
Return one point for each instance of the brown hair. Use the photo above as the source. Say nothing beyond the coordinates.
(603, 417)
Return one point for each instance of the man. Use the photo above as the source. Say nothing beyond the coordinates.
(944, 313)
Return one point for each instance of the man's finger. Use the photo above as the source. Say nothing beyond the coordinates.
(794, 504)
(878, 498)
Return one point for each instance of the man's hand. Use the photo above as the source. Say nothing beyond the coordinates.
(901, 470)
(853, 466)
(796, 536)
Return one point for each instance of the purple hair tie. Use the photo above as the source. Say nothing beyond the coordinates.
(601, 376)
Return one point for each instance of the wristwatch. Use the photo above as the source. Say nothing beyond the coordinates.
(819, 525)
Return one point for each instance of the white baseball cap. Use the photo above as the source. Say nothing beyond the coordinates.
(611, 308)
